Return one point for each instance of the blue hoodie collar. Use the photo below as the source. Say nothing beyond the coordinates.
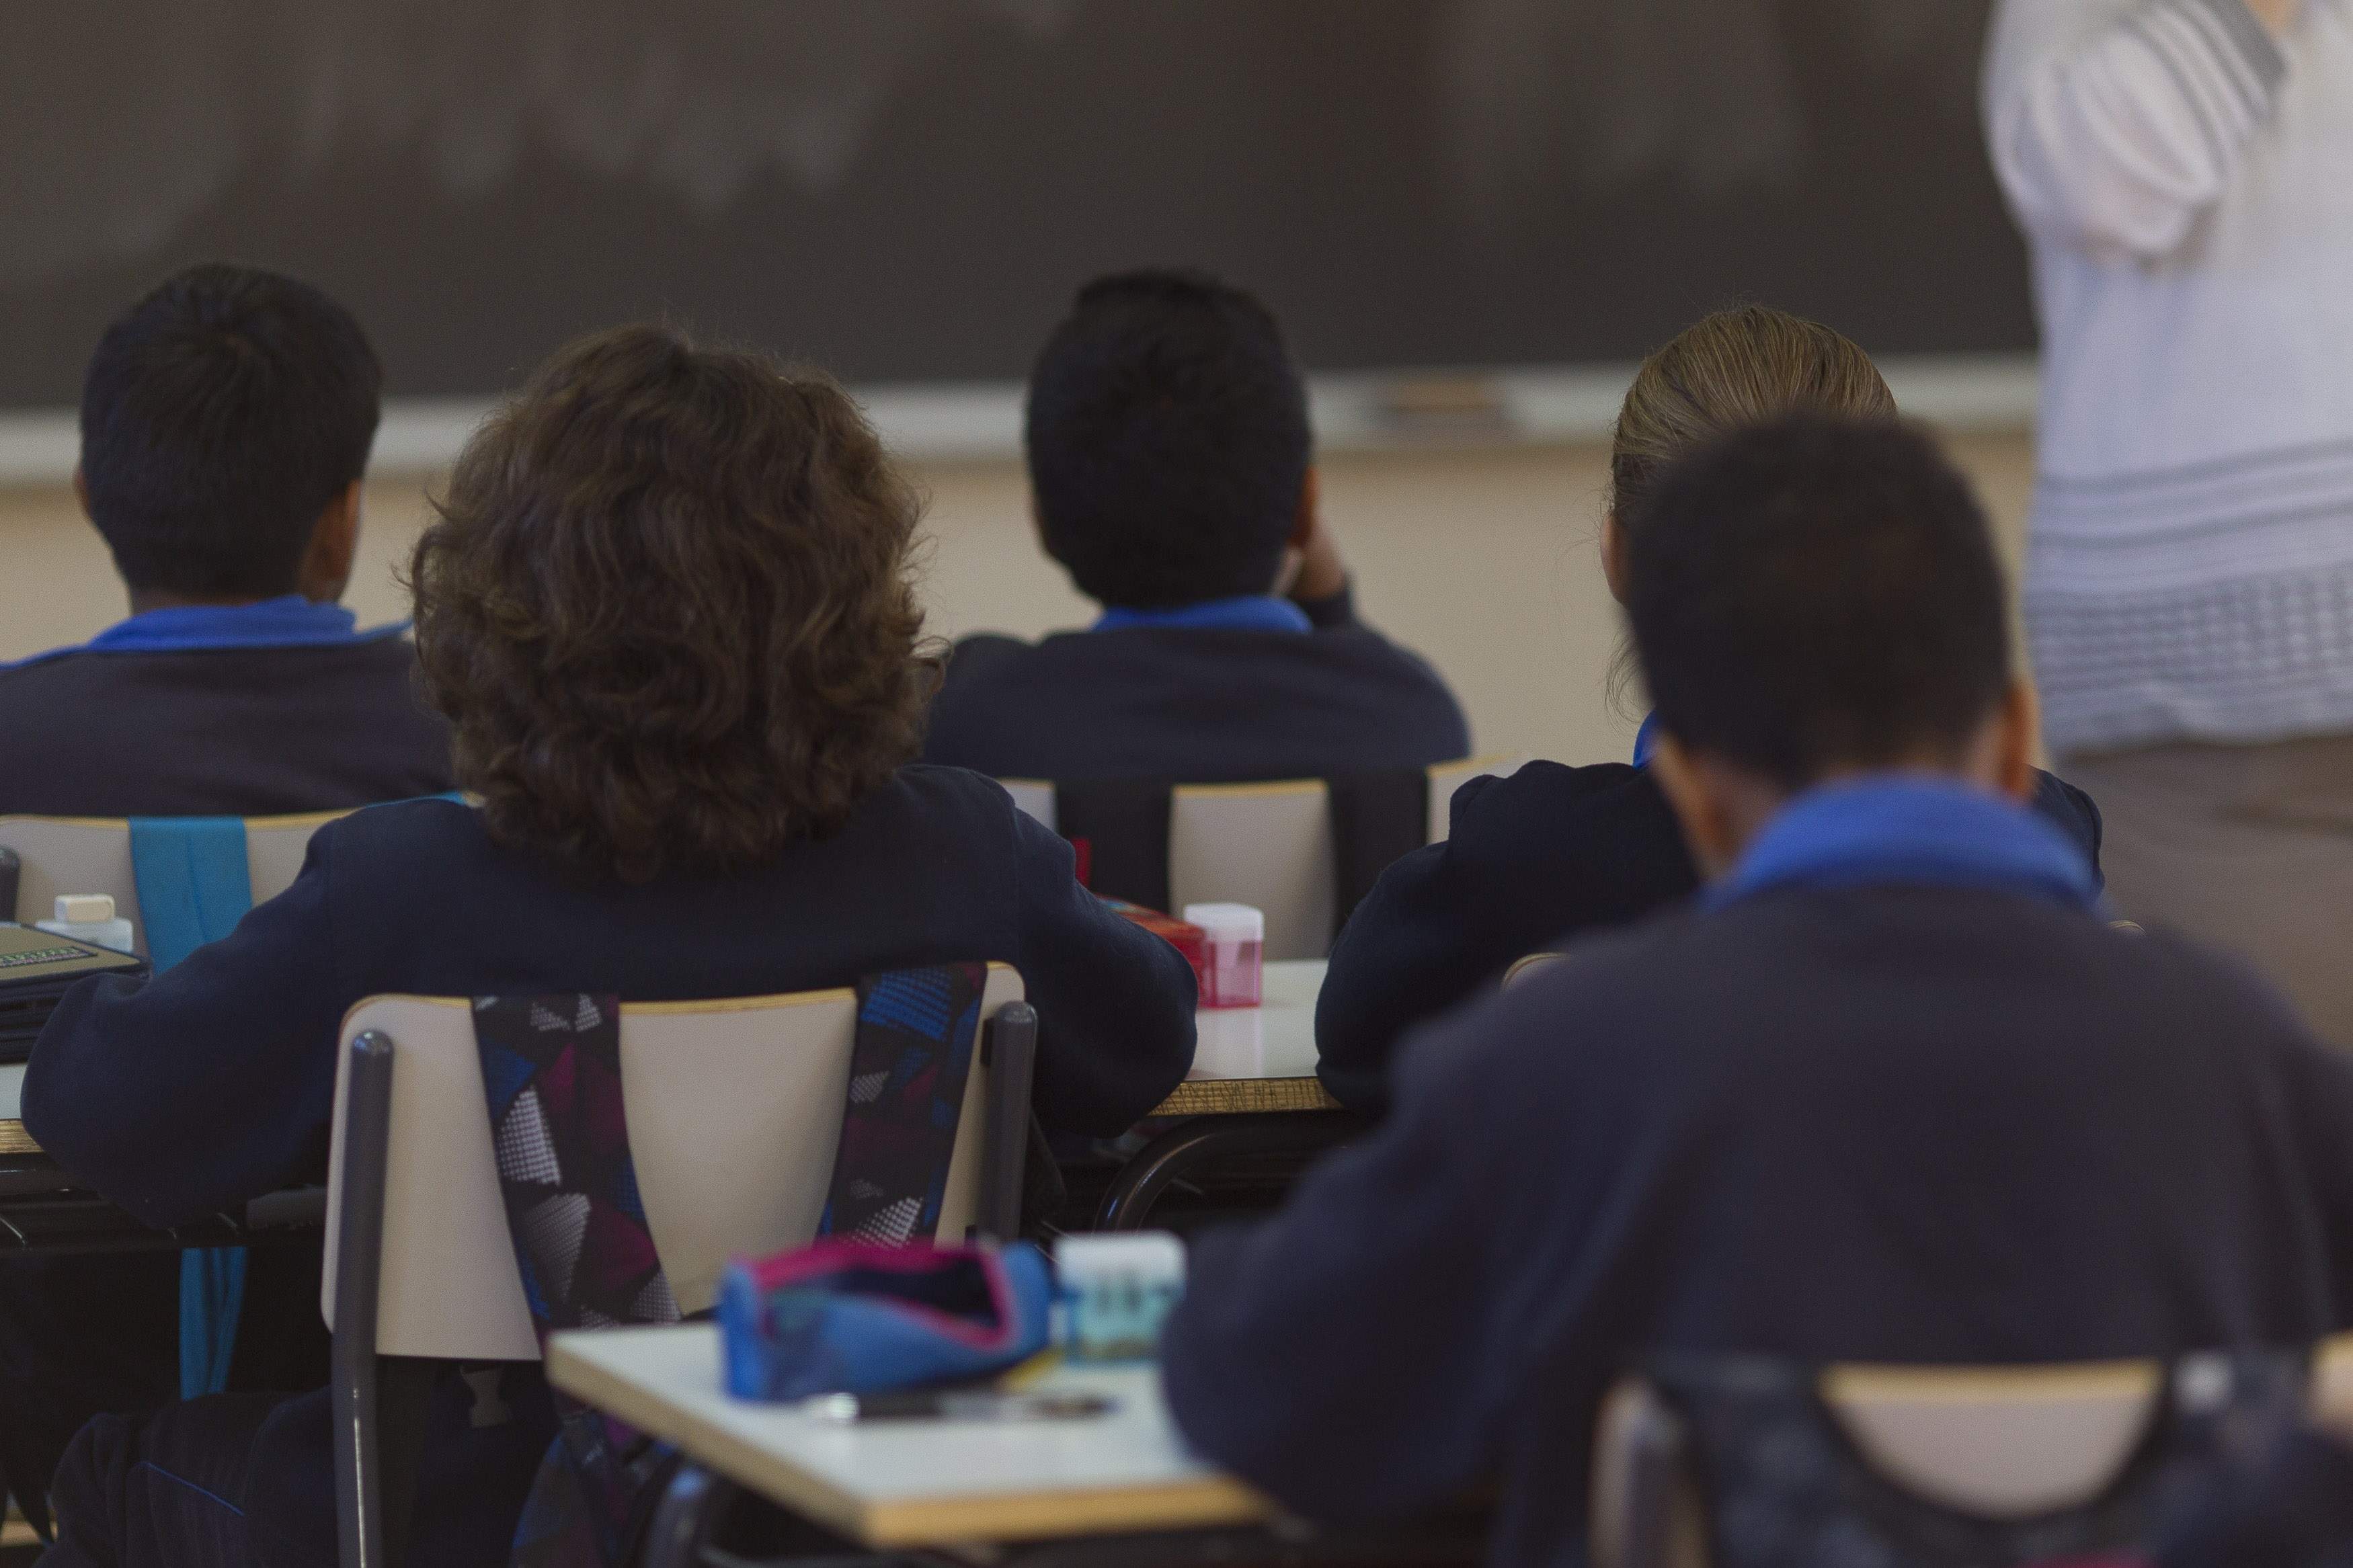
(291, 621)
(1646, 739)
(1889, 829)
(1250, 613)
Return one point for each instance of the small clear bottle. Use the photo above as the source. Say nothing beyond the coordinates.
(89, 917)
(1233, 965)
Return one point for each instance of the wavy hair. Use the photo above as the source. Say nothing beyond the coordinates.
(668, 609)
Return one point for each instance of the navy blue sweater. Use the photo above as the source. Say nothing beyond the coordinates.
(1193, 705)
(1530, 861)
(251, 731)
(212, 1083)
(1892, 1124)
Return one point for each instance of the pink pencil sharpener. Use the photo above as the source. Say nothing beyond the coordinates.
(1234, 956)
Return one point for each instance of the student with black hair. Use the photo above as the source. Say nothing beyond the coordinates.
(226, 421)
(1550, 852)
(1173, 474)
(1893, 1088)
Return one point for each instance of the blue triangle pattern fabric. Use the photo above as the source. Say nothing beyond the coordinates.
(552, 1080)
(916, 1030)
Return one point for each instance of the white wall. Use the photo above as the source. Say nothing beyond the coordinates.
(1482, 559)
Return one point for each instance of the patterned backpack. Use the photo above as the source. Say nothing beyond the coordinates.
(552, 1074)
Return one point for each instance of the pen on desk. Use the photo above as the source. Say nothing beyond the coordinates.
(967, 1404)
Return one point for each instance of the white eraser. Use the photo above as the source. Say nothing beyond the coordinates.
(1227, 922)
(85, 908)
(1143, 1254)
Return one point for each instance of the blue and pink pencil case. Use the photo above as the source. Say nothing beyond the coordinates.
(849, 1317)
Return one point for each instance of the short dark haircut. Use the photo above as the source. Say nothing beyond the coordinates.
(1167, 439)
(1811, 593)
(220, 415)
(668, 609)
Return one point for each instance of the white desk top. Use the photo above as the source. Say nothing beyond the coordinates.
(1257, 1059)
(913, 1483)
(1274, 1040)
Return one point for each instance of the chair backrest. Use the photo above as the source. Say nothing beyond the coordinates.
(1529, 966)
(92, 855)
(1267, 845)
(2002, 1443)
(734, 1110)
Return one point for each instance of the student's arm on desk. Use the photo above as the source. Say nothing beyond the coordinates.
(210, 1084)
(1342, 1356)
(1115, 1001)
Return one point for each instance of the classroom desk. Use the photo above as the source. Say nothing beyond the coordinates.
(1252, 1092)
(918, 1483)
(14, 1139)
(1255, 1060)
(43, 1209)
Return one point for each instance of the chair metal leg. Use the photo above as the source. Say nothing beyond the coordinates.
(1009, 1047)
(366, 1144)
(1203, 1140)
(682, 1521)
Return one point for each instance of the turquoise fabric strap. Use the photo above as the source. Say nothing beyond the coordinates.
(193, 889)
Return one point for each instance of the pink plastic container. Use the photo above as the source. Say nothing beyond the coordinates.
(1233, 962)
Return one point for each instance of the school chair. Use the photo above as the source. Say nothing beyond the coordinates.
(1305, 851)
(734, 1108)
(1991, 1463)
(180, 882)
(95, 855)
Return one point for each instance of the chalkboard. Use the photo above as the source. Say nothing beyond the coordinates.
(909, 190)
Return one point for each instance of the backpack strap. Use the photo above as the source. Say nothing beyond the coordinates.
(912, 1056)
(1119, 830)
(552, 1075)
(1378, 819)
(194, 886)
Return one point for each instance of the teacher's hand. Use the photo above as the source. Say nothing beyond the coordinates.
(2278, 16)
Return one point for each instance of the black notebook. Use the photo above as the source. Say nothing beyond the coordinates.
(36, 968)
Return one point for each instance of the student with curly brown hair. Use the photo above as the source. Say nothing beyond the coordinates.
(666, 610)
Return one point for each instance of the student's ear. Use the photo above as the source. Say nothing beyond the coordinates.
(1613, 554)
(1310, 517)
(2017, 727)
(326, 566)
(1712, 828)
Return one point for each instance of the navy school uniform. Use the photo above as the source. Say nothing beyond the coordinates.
(1898, 1092)
(207, 711)
(1230, 691)
(220, 711)
(211, 1084)
(1530, 861)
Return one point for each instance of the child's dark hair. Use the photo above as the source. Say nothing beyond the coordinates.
(1167, 440)
(220, 415)
(1813, 593)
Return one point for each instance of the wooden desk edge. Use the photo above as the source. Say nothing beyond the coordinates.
(1246, 1096)
(14, 1140)
(1208, 1500)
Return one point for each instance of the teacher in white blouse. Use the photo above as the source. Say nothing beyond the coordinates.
(2183, 170)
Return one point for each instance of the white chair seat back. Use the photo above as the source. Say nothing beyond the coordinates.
(1269, 845)
(2002, 1443)
(92, 855)
(734, 1110)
